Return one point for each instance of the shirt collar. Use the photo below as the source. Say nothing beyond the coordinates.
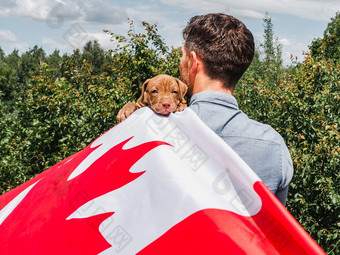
(215, 97)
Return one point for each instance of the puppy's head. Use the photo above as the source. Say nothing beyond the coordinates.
(163, 94)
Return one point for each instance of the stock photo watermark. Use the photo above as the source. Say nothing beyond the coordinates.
(222, 184)
(113, 233)
(54, 18)
(75, 35)
(192, 154)
(119, 238)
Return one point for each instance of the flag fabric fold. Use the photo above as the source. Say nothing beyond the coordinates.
(150, 185)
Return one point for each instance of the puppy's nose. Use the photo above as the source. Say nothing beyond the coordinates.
(166, 104)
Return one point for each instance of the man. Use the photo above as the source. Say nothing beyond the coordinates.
(217, 50)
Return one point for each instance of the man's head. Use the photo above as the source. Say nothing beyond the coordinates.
(224, 45)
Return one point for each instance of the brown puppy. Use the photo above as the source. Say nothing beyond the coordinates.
(163, 94)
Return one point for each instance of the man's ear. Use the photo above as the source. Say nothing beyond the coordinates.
(182, 90)
(194, 62)
(143, 99)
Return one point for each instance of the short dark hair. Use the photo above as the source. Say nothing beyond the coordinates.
(224, 44)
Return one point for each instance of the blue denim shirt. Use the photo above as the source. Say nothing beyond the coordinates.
(259, 145)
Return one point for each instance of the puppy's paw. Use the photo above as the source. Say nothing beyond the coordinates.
(126, 111)
(181, 107)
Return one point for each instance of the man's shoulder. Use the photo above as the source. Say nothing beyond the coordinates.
(242, 125)
(263, 131)
(221, 113)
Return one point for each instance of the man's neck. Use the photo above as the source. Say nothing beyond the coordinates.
(204, 83)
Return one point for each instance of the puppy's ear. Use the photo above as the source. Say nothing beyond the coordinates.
(143, 99)
(182, 90)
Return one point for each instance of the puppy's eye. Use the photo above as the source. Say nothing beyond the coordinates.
(175, 92)
(154, 91)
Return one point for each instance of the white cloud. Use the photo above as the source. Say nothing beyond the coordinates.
(9, 40)
(106, 12)
(70, 43)
(284, 41)
(102, 38)
(35, 9)
(7, 36)
(308, 9)
(51, 44)
(98, 11)
(294, 46)
(94, 11)
(249, 9)
(247, 13)
(6, 6)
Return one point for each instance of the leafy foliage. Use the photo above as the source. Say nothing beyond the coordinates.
(140, 56)
(53, 106)
(303, 109)
(301, 102)
(328, 46)
(67, 103)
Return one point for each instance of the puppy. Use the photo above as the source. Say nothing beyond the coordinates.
(163, 94)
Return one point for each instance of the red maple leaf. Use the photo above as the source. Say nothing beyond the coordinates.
(38, 224)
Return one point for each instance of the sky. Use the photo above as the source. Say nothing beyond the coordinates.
(68, 24)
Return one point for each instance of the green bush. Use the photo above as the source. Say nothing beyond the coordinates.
(59, 112)
(139, 56)
(303, 107)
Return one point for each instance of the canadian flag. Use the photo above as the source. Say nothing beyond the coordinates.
(150, 185)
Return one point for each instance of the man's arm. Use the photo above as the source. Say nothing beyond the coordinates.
(281, 194)
(287, 174)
